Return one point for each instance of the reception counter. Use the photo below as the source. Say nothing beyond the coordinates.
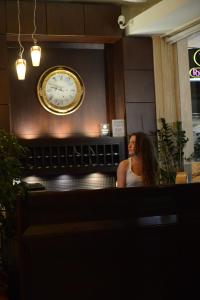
(110, 243)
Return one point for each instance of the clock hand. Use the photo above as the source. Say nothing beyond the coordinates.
(59, 89)
(56, 87)
(51, 84)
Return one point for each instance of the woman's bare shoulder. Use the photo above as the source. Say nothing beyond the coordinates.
(121, 173)
(123, 164)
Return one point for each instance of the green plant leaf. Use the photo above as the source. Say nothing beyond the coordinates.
(171, 141)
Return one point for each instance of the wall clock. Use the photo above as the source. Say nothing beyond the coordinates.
(60, 90)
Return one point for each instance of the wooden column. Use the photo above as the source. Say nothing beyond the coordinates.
(139, 85)
(115, 98)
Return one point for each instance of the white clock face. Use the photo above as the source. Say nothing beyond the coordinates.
(61, 90)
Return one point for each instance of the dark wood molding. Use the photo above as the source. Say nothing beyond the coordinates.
(66, 38)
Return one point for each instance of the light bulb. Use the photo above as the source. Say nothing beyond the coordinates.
(21, 68)
(35, 55)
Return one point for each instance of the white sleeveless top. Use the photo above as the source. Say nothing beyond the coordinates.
(131, 178)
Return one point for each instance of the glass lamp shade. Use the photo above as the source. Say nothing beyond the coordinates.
(21, 68)
(35, 55)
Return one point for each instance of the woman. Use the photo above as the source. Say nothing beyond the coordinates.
(141, 168)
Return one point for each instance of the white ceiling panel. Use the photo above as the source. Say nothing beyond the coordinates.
(164, 17)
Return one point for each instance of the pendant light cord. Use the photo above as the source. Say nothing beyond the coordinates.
(21, 48)
(34, 23)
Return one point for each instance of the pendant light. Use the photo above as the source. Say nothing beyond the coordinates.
(35, 49)
(20, 62)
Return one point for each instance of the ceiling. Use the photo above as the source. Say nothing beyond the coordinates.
(172, 19)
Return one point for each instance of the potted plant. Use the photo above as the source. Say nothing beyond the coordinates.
(10, 186)
(171, 142)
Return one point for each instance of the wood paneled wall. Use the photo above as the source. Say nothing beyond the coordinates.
(4, 87)
(119, 87)
(4, 84)
(30, 119)
(102, 20)
(61, 22)
(119, 83)
(65, 19)
(139, 85)
(59, 18)
(26, 17)
(2, 17)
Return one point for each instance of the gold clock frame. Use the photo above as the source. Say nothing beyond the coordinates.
(42, 96)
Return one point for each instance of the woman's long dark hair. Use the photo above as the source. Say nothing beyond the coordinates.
(145, 149)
